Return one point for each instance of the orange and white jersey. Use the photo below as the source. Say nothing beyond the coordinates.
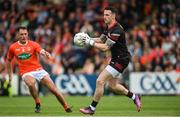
(26, 55)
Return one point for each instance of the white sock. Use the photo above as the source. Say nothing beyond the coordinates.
(92, 108)
(133, 97)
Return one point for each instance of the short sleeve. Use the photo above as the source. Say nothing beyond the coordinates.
(37, 47)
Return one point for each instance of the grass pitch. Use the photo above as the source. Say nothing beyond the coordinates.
(108, 106)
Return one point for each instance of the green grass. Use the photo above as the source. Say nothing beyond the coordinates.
(109, 106)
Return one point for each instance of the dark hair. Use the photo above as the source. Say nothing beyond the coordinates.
(21, 27)
(113, 10)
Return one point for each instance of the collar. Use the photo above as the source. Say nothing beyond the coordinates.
(23, 44)
(113, 24)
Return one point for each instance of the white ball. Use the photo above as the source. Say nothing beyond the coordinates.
(78, 40)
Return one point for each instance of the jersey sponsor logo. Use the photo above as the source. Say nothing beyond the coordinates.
(24, 56)
(148, 83)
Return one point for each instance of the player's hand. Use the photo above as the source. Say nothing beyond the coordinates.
(48, 55)
(88, 40)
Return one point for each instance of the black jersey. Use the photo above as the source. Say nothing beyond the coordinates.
(119, 49)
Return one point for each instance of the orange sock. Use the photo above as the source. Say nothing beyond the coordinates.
(37, 101)
(65, 106)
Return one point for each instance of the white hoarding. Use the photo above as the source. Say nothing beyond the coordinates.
(155, 83)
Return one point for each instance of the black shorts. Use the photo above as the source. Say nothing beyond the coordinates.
(119, 64)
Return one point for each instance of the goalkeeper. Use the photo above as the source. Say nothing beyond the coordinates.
(112, 39)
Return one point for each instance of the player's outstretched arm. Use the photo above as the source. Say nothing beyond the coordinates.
(101, 46)
(97, 40)
(103, 43)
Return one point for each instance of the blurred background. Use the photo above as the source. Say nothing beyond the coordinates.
(152, 34)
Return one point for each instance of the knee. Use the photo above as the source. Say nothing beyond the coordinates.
(100, 82)
(31, 86)
(112, 86)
